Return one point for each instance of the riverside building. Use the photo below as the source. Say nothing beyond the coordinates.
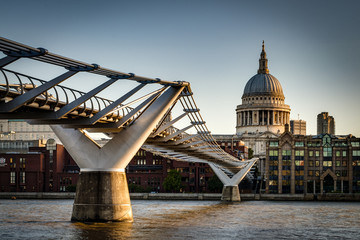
(313, 164)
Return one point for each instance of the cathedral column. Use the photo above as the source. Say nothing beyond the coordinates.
(248, 117)
(288, 118)
(274, 117)
(268, 117)
(240, 119)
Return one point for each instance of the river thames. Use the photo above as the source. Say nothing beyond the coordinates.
(50, 219)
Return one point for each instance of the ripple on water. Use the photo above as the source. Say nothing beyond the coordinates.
(49, 219)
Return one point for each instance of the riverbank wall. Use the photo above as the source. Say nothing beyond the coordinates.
(194, 196)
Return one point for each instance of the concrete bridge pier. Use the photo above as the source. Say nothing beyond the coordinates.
(230, 194)
(102, 196)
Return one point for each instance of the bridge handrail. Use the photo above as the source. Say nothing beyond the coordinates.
(15, 50)
(21, 87)
(18, 50)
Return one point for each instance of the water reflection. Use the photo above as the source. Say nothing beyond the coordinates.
(103, 230)
(183, 220)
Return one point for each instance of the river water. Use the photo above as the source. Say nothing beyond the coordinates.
(50, 219)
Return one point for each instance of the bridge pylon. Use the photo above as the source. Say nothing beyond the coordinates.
(102, 191)
(230, 192)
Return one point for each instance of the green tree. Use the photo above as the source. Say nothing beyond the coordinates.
(135, 188)
(71, 188)
(214, 184)
(172, 183)
(250, 153)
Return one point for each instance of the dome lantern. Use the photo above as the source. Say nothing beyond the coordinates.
(263, 62)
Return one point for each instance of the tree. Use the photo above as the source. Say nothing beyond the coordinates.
(172, 183)
(250, 153)
(214, 184)
(71, 188)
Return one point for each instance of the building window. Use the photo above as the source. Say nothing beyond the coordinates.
(338, 153)
(12, 163)
(299, 163)
(310, 173)
(299, 144)
(344, 153)
(327, 163)
(355, 144)
(311, 153)
(273, 153)
(299, 153)
(317, 173)
(286, 152)
(356, 153)
(22, 177)
(311, 163)
(12, 177)
(273, 182)
(338, 163)
(22, 162)
(285, 182)
(317, 163)
(317, 153)
(327, 151)
(274, 163)
(274, 144)
(344, 163)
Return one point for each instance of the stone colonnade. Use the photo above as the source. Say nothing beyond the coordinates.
(262, 117)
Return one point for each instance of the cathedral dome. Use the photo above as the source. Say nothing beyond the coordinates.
(263, 84)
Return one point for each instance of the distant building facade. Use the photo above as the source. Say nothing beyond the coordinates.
(42, 168)
(298, 127)
(146, 172)
(233, 145)
(21, 130)
(313, 164)
(34, 166)
(325, 123)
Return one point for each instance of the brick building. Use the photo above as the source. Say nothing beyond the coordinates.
(313, 164)
(32, 167)
(40, 169)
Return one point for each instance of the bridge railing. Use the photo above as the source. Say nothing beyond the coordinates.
(112, 114)
(13, 84)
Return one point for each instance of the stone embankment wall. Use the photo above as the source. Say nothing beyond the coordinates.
(194, 196)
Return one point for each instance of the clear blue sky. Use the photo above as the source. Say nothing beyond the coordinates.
(312, 47)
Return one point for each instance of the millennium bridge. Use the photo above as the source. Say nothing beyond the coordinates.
(144, 115)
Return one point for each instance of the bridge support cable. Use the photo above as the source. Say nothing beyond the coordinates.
(166, 125)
